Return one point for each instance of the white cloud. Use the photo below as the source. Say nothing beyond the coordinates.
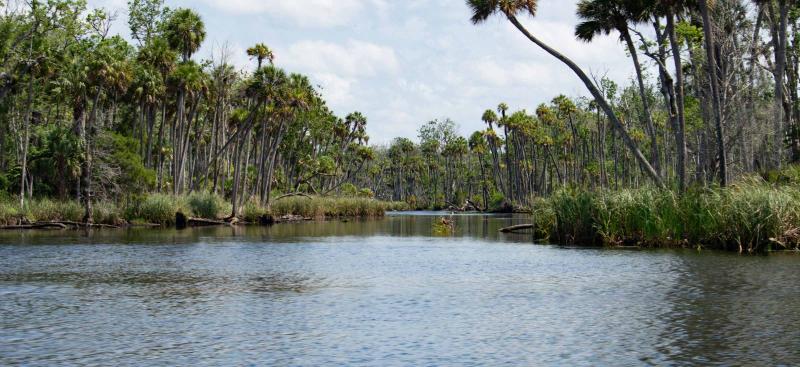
(307, 13)
(351, 59)
(337, 91)
(514, 73)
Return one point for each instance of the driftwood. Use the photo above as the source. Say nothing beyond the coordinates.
(515, 228)
(63, 224)
(291, 218)
(37, 226)
(84, 225)
(292, 194)
(470, 203)
(182, 221)
(144, 225)
(200, 222)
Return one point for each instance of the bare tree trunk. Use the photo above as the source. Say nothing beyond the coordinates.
(600, 101)
(715, 97)
(680, 132)
(655, 159)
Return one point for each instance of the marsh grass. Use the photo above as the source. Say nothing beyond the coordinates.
(253, 211)
(161, 209)
(332, 207)
(207, 205)
(750, 216)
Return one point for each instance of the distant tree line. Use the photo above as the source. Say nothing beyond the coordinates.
(714, 96)
(87, 115)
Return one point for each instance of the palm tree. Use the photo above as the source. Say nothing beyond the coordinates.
(187, 81)
(185, 32)
(261, 52)
(483, 9)
(107, 71)
(502, 109)
(489, 117)
(477, 145)
(603, 17)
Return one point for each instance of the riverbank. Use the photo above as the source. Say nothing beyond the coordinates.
(752, 215)
(161, 210)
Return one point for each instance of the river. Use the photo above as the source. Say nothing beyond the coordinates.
(385, 292)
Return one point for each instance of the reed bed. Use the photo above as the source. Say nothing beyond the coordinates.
(751, 216)
(333, 207)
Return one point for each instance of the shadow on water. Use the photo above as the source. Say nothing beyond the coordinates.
(406, 224)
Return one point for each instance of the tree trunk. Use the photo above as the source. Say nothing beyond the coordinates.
(646, 114)
(600, 100)
(680, 132)
(715, 93)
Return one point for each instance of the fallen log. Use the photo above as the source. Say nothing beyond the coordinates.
(202, 222)
(144, 225)
(291, 195)
(515, 228)
(292, 218)
(79, 224)
(36, 226)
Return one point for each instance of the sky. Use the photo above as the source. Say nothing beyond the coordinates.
(405, 62)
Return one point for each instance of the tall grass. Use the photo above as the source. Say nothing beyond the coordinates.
(750, 216)
(154, 208)
(328, 207)
(161, 209)
(207, 205)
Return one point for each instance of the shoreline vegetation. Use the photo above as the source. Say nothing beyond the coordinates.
(100, 130)
(160, 210)
(749, 216)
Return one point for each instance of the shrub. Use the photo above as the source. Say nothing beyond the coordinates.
(155, 208)
(206, 205)
(107, 213)
(46, 210)
(253, 211)
(321, 207)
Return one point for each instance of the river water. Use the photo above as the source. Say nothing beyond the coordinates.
(385, 292)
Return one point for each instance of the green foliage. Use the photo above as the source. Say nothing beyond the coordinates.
(155, 208)
(751, 216)
(349, 190)
(107, 213)
(496, 200)
(207, 205)
(46, 210)
(253, 211)
(134, 177)
(9, 212)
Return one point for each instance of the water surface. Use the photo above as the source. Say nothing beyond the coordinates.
(385, 293)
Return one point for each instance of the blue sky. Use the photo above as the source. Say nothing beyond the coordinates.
(405, 62)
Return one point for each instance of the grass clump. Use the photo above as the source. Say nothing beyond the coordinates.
(751, 216)
(107, 213)
(46, 210)
(9, 213)
(207, 205)
(331, 207)
(154, 208)
(253, 212)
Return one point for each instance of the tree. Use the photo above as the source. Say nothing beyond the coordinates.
(483, 9)
(714, 81)
(185, 32)
(261, 52)
(602, 17)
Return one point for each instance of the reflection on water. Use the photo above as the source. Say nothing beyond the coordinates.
(385, 292)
